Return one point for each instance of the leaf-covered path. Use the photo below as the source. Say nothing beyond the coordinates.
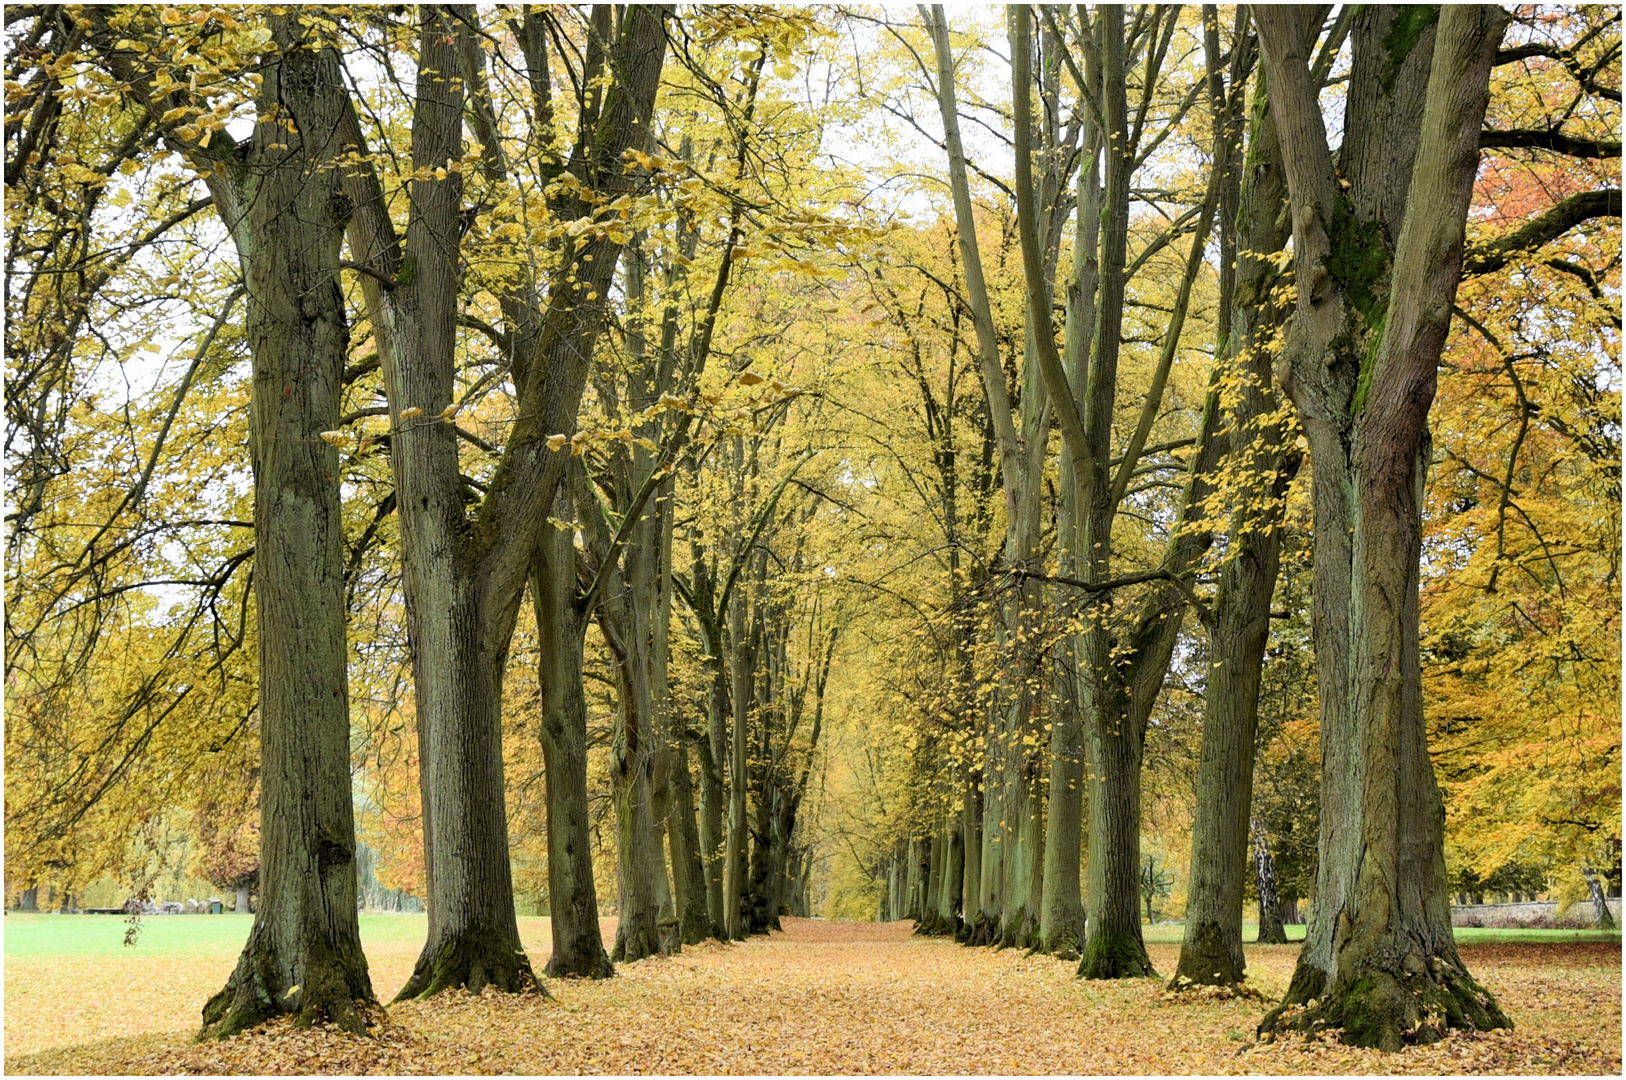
(831, 997)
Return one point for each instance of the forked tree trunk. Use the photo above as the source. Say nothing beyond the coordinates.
(283, 208)
(1379, 962)
(465, 577)
(458, 654)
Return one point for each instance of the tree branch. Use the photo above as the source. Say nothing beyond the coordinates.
(1492, 256)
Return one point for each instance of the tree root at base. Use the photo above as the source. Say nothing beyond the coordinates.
(1386, 1010)
(471, 962)
(248, 1000)
(1109, 955)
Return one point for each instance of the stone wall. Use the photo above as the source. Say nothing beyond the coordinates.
(1493, 914)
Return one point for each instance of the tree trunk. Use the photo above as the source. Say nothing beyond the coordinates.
(578, 945)
(1211, 950)
(1600, 903)
(740, 664)
(1271, 931)
(242, 900)
(465, 577)
(283, 209)
(1379, 961)
(688, 874)
(712, 800)
(29, 899)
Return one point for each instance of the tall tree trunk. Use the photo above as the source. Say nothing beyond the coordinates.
(465, 576)
(1379, 962)
(457, 658)
(688, 874)
(632, 755)
(578, 945)
(285, 212)
(709, 748)
(1211, 950)
(740, 663)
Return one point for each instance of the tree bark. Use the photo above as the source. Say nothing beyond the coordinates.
(1600, 903)
(1211, 950)
(283, 208)
(465, 576)
(578, 945)
(1271, 930)
(1379, 962)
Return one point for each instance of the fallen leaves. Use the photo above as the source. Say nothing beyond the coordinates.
(833, 997)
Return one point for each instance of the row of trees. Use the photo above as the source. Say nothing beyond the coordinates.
(569, 304)
(1336, 285)
(514, 236)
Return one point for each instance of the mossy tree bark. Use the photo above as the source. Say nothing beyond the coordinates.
(1377, 258)
(280, 201)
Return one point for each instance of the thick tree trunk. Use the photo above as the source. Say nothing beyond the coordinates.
(465, 578)
(1271, 930)
(29, 899)
(242, 900)
(578, 945)
(283, 208)
(1115, 948)
(1379, 961)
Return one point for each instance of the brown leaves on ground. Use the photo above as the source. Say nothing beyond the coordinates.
(868, 998)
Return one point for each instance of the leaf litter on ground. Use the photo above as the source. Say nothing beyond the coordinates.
(835, 997)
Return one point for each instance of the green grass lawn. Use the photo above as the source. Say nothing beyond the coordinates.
(1171, 933)
(168, 935)
(223, 935)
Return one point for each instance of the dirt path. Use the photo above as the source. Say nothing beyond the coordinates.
(869, 998)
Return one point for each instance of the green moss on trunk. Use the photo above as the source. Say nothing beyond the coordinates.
(1110, 955)
(471, 961)
(1414, 1004)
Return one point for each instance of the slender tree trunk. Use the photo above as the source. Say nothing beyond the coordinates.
(578, 945)
(740, 663)
(711, 750)
(1379, 961)
(637, 932)
(688, 874)
(284, 209)
(971, 802)
(1211, 951)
